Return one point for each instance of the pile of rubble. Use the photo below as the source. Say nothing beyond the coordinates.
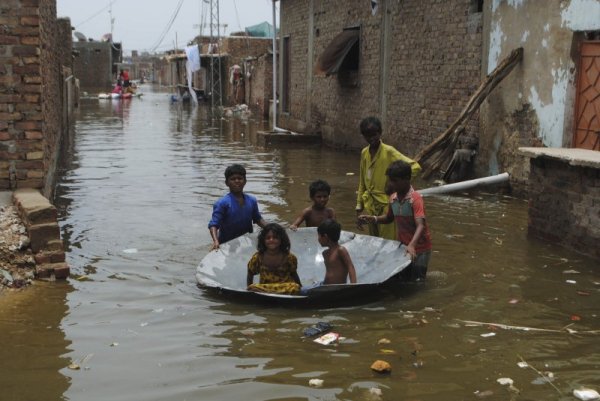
(17, 266)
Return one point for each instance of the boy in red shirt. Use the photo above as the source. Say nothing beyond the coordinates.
(408, 210)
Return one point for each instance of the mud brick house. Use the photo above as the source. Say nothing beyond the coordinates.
(37, 92)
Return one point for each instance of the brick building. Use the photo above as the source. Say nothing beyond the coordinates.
(37, 92)
(413, 63)
(96, 64)
(249, 53)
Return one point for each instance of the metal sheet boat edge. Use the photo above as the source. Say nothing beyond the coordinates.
(376, 260)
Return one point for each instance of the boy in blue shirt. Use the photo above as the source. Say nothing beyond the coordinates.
(234, 213)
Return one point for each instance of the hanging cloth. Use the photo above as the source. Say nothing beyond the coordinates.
(192, 65)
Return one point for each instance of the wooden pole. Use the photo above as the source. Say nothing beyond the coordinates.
(433, 156)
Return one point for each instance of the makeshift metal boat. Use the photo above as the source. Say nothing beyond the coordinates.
(376, 261)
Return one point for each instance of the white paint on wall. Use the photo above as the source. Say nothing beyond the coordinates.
(582, 15)
(512, 3)
(496, 38)
(547, 28)
(551, 116)
(524, 36)
(544, 43)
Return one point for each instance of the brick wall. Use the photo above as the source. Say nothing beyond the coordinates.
(564, 206)
(32, 49)
(259, 87)
(239, 48)
(434, 59)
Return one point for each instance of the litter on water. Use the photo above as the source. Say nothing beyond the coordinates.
(327, 338)
(586, 394)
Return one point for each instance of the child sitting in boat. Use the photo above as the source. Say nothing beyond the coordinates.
(407, 208)
(338, 264)
(319, 192)
(118, 89)
(274, 262)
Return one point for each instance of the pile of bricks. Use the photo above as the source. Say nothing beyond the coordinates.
(40, 220)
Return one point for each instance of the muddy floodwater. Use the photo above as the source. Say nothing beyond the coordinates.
(135, 194)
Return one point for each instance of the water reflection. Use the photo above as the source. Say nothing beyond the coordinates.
(135, 197)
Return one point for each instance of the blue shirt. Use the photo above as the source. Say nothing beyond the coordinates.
(233, 219)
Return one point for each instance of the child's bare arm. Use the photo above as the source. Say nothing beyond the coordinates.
(347, 261)
(299, 219)
(410, 248)
(215, 237)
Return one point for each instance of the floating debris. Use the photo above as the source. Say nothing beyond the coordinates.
(505, 381)
(380, 366)
(586, 394)
(315, 382)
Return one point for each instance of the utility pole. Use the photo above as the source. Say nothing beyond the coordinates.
(215, 56)
(112, 20)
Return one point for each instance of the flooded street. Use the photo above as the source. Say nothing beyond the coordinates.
(134, 198)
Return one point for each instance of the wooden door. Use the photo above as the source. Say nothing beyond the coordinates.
(587, 105)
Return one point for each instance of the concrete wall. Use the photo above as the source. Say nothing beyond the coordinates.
(420, 60)
(33, 49)
(93, 65)
(535, 104)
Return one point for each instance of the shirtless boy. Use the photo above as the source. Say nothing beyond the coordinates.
(319, 192)
(338, 265)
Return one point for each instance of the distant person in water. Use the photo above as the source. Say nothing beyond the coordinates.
(319, 192)
(124, 77)
(407, 209)
(274, 263)
(234, 214)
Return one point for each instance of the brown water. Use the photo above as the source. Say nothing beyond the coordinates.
(135, 197)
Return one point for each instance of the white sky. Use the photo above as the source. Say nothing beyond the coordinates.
(140, 24)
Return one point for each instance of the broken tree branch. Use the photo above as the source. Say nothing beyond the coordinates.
(433, 156)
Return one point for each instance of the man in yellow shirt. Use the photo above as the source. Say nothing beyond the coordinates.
(372, 198)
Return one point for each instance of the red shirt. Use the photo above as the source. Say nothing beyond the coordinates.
(405, 212)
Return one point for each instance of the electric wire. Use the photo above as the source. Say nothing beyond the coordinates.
(168, 27)
(96, 13)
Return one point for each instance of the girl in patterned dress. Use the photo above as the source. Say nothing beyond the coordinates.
(274, 262)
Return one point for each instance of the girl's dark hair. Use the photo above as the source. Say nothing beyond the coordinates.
(279, 232)
(319, 186)
(370, 124)
(235, 169)
(331, 228)
(399, 169)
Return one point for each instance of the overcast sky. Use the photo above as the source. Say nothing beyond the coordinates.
(140, 24)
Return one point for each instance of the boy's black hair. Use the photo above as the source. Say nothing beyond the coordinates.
(370, 124)
(235, 169)
(319, 186)
(331, 228)
(279, 232)
(399, 169)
